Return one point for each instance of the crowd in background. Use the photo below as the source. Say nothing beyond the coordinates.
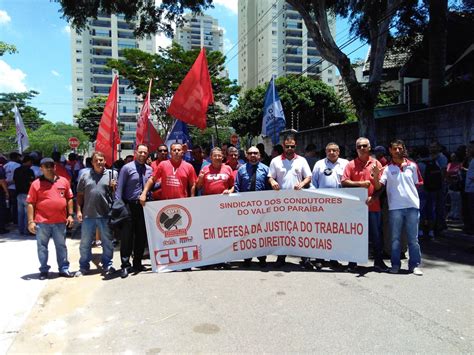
(447, 192)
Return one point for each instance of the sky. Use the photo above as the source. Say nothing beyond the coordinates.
(43, 61)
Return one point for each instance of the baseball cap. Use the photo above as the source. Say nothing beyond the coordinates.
(46, 161)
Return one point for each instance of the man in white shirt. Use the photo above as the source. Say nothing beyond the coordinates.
(289, 171)
(401, 178)
(327, 174)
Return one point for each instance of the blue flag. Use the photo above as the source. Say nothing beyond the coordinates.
(273, 117)
(179, 134)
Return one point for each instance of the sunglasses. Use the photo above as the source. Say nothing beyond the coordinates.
(362, 146)
(163, 150)
(253, 153)
(290, 146)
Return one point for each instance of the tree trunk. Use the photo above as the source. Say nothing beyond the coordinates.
(364, 96)
(437, 46)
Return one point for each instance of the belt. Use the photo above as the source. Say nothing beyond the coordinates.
(133, 202)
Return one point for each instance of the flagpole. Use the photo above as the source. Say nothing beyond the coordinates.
(215, 123)
(274, 113)
(115, 116)
(148, 119)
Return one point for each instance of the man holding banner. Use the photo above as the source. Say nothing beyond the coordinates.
(289, 171)
(252, 176)
(130, 185)
(177, 177)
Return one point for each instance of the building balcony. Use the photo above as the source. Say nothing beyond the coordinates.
(101, 43)
(100, 23)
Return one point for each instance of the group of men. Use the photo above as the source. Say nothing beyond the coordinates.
(175, 178)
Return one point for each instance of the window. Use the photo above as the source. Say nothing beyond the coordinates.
(78, 60)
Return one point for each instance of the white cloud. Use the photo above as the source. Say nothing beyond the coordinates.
(229, 4)
(66, 29)
(55, 73)
(4, 18)
(11, 80)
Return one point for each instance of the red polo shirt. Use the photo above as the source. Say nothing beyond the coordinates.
(50, 199)
(175, 178)
(358, 170)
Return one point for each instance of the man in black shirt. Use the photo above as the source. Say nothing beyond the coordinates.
(23, 177)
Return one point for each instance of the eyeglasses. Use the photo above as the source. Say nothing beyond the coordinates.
(290, 146)
(362, 146)
(163, 150)
(253, 153)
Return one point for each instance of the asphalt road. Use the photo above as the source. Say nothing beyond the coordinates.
(239, 310)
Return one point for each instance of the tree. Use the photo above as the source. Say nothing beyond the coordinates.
(7, 48)
(32, 117)
(311, 102)
(168, 68)
(148, 17)
(89, 118)
(52, 136)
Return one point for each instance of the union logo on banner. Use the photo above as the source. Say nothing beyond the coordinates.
(173, 221)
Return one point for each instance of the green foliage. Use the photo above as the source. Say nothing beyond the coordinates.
(7, 48)
(89, 118)
(149, 18)
(387, 97)
(32, 118)
(168, 68)
(52, 135)
(315, 103)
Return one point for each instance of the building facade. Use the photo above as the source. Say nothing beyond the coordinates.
(104, 39)
(273, 40)
(200, 31)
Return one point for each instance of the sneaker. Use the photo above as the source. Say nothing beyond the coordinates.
(66, 273)
(43, 275)
(80, 272)
(394, 269)
(306, 264)
(110, 270)
(417, 271)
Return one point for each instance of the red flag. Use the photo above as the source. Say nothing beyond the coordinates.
(194, 95)
(146, 132)
(108, 134)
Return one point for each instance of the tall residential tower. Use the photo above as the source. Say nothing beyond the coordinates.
(105, 38)
(200, 31)
(273, 40)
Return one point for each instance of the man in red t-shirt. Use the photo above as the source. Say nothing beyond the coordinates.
(177, 177)
(216, 178)
(360, 172)
(162, 155)
(50, 210)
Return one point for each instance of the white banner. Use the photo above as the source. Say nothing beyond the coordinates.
(321, 223)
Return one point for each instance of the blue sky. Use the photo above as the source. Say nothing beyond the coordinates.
(44, 60)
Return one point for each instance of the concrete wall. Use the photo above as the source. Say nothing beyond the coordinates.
(451, 125)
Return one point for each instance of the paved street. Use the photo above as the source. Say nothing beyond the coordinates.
(239, 310)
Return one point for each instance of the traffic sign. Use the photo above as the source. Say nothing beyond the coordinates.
(73, 142)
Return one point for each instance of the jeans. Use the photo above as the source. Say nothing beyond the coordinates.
(57, 231)
(407, 218)
(435, 208)
(375, 234)
(88, 229)
(22, 217)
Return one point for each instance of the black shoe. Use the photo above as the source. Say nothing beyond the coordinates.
(318, 264)
(262, 264)
(247, 262)
(280, 263)
(225, 266)
(43, 275)
(124, 273)
(66, 273)
(334, 264)
(380, 266)
(306, 264)
(352, 267)
(139, 268)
